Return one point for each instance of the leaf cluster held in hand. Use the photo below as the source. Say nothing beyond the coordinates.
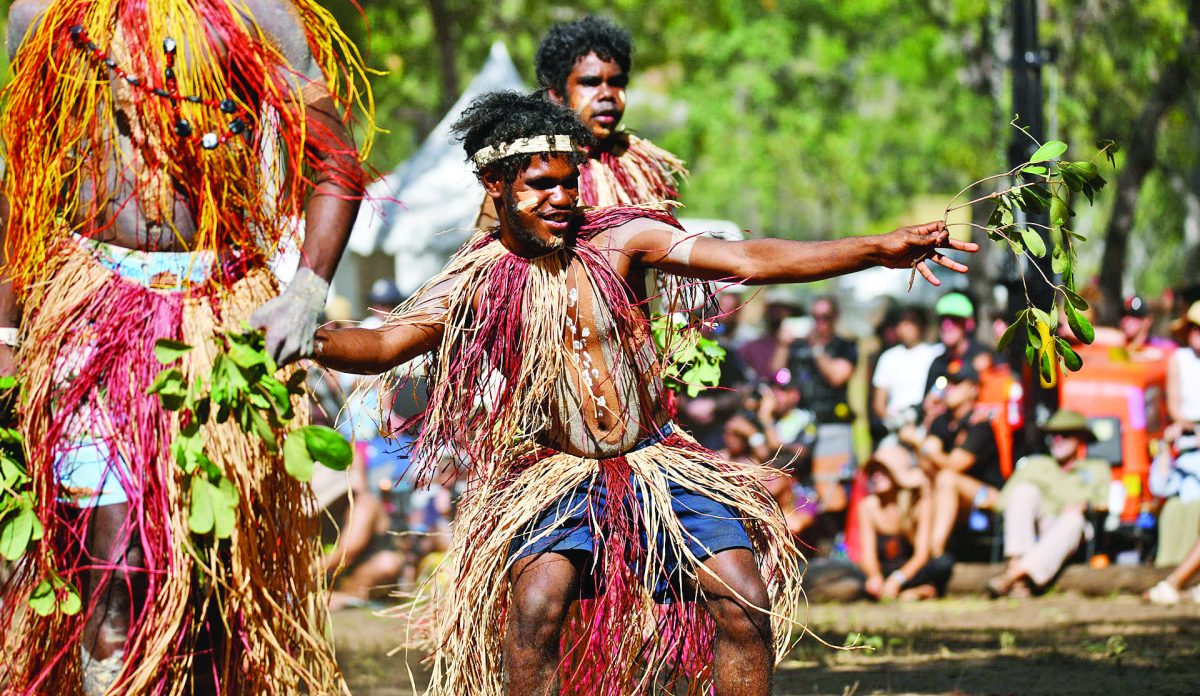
(1045, 185)
(242, 388)
(693, 362)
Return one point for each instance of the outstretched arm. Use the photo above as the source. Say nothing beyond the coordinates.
(766, 261)
(372, 351)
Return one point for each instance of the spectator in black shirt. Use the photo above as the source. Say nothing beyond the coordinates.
(823, 363)
(959, 454)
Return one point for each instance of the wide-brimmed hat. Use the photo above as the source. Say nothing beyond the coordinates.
(1190, 318)
(1068, 422)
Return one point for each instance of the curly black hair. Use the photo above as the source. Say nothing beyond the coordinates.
(502, 117)
(566, 43)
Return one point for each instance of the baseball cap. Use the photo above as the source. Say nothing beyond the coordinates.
(1135, 306)
(955, 304)
(962, 371)
(385, 292)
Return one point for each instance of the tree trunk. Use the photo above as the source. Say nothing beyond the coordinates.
(1141, 157)
(443, 33)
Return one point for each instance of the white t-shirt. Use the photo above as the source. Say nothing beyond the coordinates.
(902, 371)
(1188, 364)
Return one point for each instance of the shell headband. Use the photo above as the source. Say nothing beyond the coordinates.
(523, 146)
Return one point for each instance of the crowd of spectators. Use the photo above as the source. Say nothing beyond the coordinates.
(889, 476)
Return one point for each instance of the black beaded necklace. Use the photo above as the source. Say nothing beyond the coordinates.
(170, 91)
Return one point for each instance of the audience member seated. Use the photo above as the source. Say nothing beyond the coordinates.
(363, 555)
(901, 373)
(895, 523)
(959, 455)
(956, 331)
(1175, 474)
(1045, 503)
(1136, 324)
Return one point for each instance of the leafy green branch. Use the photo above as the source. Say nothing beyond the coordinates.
(693, 361)
(241, 388)
(20, 528)
(1045, 184)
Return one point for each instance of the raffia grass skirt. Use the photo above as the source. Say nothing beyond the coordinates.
(252, 605)
(621, 641)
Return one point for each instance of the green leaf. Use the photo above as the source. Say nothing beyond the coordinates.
(246, 356)
(1071, 359)
(1087, 170)
(295, 457)
(1049, 151)
(1035, 170)
(1033, 242)
(168, 351)
(1046, 363)
(43, 600)
(16, 534)
(70, 602)
(1010, 333)
(260, 427)
(327, 446)
(7, 382)
(1060, 212)
(1080, 326)
(1030, 354)
(1059, 260)
(201, 515)
(1034, 339)
(225, 500)
(1075, 299)
(168, 381)
(1042, 316)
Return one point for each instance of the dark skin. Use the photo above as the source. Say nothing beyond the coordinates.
(545, 217)
(330, 213)
(595, 89)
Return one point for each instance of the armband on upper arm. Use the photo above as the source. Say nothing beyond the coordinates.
(681, 247)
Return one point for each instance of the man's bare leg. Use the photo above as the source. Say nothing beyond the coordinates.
(542, 587)
(950, 490)
(743, 652)
(118, 590)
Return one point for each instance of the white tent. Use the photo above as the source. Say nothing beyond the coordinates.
(417, 214)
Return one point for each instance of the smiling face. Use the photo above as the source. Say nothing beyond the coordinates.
(539, 211)
(595, 90)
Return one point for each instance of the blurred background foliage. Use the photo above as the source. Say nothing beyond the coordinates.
(811, 119)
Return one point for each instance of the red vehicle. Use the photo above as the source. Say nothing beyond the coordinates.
(1124, 397)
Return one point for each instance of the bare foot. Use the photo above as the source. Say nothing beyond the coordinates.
(918, 594)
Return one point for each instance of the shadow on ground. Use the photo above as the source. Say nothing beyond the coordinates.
(1057, 644)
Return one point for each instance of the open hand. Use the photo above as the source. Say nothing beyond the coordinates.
(915, 247)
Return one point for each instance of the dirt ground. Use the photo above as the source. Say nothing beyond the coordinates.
(1062, 643)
